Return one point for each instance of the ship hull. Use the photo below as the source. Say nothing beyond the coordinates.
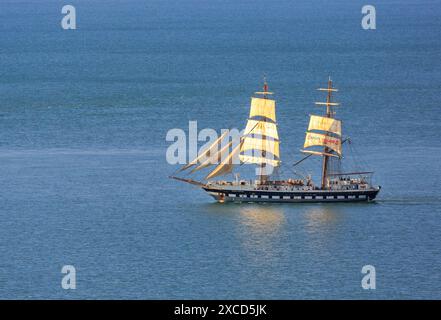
(312, 196)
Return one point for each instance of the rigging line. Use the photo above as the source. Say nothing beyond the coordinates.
(240, 140)
(247, 122)
(296, 173)
(230, 127)
(361, 163)
(285, 169)
(353, 158)
(301, 160)
(365, 163)
(187, 173)
(358, 159)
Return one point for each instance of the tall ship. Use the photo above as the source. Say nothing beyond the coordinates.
(259, 146)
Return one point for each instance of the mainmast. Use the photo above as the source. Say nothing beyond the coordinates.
(329, 114)
(330, 139)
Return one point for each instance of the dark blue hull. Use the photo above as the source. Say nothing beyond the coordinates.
(225, 195)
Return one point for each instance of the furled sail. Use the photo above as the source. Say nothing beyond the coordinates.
(318, 153)
(333, 104)
(226, 165)
(214, 148)
(257, 159)
(325, 124)
(317, 139)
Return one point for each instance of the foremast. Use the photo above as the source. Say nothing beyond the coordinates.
(263, 176)
(260, 138)
(258, 145)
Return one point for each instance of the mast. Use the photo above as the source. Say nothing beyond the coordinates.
(329, 135)
(259, 143)
(263, 177)
(329, 114)
(260, 138)
(325, 149)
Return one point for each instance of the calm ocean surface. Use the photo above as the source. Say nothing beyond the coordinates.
(83, 174)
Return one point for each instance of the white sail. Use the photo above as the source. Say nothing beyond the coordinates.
(269, 146)
(264, 108)
(317, 139)
(226, 165)
(260, 142)
(261, 139)
(266, 129)
(214, 147)
(215, 158)
(325, 124)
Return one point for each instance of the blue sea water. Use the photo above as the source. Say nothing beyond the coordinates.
(83, 174)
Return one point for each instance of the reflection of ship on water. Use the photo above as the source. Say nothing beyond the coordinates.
(260, 230)
(320, 217)
(267, 219)
(262, 218)
(256, 218)
(259, 145)
(263, 229)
